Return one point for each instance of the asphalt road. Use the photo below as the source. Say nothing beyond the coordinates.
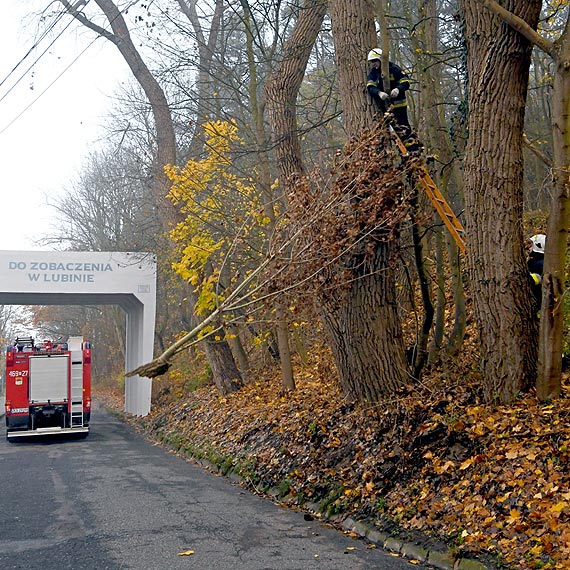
(114, 501)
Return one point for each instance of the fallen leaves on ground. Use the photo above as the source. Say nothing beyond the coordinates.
(432, 462)
(186, 553)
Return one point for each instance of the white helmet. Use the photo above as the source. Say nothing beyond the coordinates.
(538, 243)
(375, 53)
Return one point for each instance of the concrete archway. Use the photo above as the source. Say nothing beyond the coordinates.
(126, 279)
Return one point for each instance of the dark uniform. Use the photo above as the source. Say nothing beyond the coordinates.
(397, 106)
(535, 266)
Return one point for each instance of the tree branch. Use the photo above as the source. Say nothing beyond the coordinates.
(536, 151)
(80, 17)
(519, 25)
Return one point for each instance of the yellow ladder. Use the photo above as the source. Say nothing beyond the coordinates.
(435, 196)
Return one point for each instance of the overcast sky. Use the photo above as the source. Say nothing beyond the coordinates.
(49, 119)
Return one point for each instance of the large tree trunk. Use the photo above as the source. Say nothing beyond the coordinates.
(283, 87)
(364, 331)
(361, 317)
(552, 320)
(281, 95)
(226, 375)
(354, 35)
(498, 63)
(548, 382)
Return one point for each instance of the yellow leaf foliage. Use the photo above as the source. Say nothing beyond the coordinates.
(186, 553)
(221, 207)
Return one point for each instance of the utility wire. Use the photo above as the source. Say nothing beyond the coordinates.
(58, 77)
(34, 63)
(36, 44)
(48, 87)
(45, 33)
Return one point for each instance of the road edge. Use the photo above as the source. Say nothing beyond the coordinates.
(444, 559)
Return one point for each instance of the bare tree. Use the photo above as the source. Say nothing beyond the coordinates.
(165, 137)
(108, 208)
(226, 375)
(8, 317)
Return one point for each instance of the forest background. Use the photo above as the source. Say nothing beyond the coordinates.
(298, 254)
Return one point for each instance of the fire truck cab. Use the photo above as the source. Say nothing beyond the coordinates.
(48, 387)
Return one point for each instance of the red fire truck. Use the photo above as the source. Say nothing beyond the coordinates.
(48, 387)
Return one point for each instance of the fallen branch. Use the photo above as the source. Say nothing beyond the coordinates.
(236, 300)
(162, 363)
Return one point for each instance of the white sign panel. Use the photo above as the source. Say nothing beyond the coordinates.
(127, 279)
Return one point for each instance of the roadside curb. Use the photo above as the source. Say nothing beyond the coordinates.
(445, 560)
(410, 550)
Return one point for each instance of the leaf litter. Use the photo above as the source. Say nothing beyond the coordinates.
(434, 462)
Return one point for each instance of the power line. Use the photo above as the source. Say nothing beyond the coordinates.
(36, 44)
(32, 65)
(58, 77)
(48, 87)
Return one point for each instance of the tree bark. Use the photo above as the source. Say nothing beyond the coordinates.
(548, 383)
(354, 35)
(283, 87)
(281, 93)
(361, 317)
(364, 332)
(498, 63)
(226, 376)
